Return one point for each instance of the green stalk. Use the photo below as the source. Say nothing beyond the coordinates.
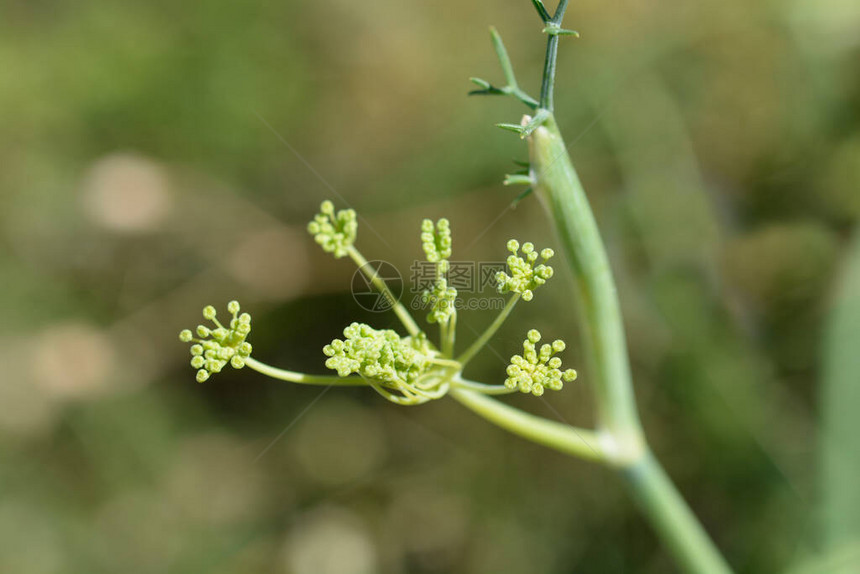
(548, 83)
(564, 438)
(450, 335)
(489, 332)
(396, 306)
(546, 89)
(672, 518)
(441, 361)
(301, 378)
(482, 388)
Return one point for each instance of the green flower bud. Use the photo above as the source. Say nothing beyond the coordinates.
(380, 355)
(537, 370)
(334, 232)
(442, 300)
(525, 275)
(436, 240)
(217, 347)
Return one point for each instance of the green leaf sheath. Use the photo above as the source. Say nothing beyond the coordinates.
(561, 192)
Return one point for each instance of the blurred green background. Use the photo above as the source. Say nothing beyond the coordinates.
(160, 156)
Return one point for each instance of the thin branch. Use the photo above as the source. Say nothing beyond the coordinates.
(302, 378)
(541, 10)
(489, 332)
(512, 88)
(548, 82)
(559, 12)
(483, 388)
(450, 335)
(561, 437)
(396, 306)
(504, 59)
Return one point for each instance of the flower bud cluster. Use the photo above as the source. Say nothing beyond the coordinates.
(436, 242)
(335, 232)
(441, 299)
(536, 370)
(212, 349)
(525, 276)
(379, 355)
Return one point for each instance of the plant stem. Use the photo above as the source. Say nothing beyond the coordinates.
(559, 12)
(450, 335)
(564, 438)
(445, 362)
(672, 518)
(377, 282)
(548, 83)
(301, 378)
(651, 487)
(489, 332)
(559, 188)
(561, 192)
(482, 388)
(541, 9)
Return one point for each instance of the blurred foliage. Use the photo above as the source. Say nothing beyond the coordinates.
(158, 156)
